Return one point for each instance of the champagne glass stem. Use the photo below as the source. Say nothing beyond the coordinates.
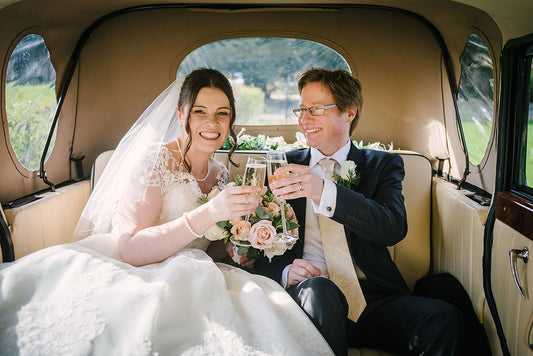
(246, 224)
(283, 220)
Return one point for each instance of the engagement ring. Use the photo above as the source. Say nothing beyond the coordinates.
(301, 188)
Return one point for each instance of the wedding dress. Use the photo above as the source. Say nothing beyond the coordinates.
(80, 299)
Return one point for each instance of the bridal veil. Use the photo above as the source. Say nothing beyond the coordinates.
(127, 174)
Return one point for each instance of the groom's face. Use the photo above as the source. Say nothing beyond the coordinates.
(331, 130)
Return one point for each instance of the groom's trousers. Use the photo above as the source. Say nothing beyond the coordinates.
(398, 323)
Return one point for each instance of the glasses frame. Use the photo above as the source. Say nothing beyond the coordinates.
(300, 112)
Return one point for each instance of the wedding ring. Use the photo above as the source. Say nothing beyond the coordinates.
(301, 188)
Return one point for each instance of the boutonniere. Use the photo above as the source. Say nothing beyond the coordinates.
(347, 176)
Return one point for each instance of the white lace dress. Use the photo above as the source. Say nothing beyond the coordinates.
(79, 299)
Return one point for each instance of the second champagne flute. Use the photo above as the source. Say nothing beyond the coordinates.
(275, 160)
(253, 175)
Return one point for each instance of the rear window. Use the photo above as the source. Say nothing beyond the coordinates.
(263, 72)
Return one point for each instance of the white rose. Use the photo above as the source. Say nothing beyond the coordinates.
(215, 233)
(277, 249)
(346, 168)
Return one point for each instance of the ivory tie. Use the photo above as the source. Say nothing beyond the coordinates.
(338, 259)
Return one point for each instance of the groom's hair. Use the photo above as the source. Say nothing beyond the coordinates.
(345, 89)
(192, 84)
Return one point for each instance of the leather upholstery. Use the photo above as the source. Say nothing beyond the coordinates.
(458, 227)
(49, 220)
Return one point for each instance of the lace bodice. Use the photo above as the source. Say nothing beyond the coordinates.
(180, 190)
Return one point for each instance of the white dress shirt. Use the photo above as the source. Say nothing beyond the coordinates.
(313, 251)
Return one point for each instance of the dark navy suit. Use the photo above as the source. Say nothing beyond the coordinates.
(374, 217)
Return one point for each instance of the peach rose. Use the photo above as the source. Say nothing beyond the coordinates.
(236, 220)
(262, 234)
(240, 228)
(273, 208)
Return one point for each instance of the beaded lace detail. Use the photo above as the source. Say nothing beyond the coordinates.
(168, 171)
(180, 190)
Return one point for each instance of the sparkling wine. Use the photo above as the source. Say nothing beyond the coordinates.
(275, 160)
(272, 178)
(255, 174)
(272, 166)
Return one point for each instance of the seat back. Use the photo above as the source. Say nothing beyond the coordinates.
(413, 254)
(99, 164)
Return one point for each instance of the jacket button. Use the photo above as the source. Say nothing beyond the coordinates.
(328, 208)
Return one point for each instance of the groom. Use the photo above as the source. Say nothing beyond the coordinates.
(368, 303)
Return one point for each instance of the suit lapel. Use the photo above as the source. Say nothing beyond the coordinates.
(357, 156)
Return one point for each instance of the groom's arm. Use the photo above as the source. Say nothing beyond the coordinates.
(379, 217)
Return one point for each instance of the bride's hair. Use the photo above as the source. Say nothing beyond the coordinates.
(192, 84)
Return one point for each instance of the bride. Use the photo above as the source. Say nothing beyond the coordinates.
(138, 281)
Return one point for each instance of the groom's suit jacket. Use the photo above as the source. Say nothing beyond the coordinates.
(373, 215)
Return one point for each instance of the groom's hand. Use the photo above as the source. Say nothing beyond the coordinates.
(302, 182)
(301, 270)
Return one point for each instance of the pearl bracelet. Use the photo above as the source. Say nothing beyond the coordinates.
(189, 227)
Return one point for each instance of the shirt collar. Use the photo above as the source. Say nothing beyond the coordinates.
(339, 156)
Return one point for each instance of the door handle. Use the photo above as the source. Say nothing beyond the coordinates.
(513, 255)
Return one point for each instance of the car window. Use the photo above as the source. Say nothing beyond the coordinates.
(528, 176)
(263, 72)
(30, 99)
(476, 97)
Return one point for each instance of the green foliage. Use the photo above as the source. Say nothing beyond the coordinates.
(30, 110)
(251, 102)
(272, 60)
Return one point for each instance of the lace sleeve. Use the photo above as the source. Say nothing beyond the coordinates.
(165, 165)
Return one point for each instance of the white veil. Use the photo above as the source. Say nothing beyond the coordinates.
(130, 167)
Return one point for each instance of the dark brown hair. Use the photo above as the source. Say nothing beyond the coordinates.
(192, 84)
(345, 89)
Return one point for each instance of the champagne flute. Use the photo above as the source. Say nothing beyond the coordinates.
(275, 160)
(254, 175)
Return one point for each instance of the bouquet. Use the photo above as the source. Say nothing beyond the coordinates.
(264, 225)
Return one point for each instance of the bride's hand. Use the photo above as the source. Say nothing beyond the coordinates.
(234, 201)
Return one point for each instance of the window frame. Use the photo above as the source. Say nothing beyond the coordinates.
(177, 62)
(523, 104)
(514, 201)
(25, 172)
(490, 143)
(523, 62)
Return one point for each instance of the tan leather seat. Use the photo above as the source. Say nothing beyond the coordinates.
(49, 220)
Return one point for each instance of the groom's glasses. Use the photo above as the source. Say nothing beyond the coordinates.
(314, 110)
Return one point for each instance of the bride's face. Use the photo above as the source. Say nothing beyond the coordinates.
(209, 120)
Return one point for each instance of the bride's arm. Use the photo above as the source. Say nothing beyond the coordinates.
(141, 241)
